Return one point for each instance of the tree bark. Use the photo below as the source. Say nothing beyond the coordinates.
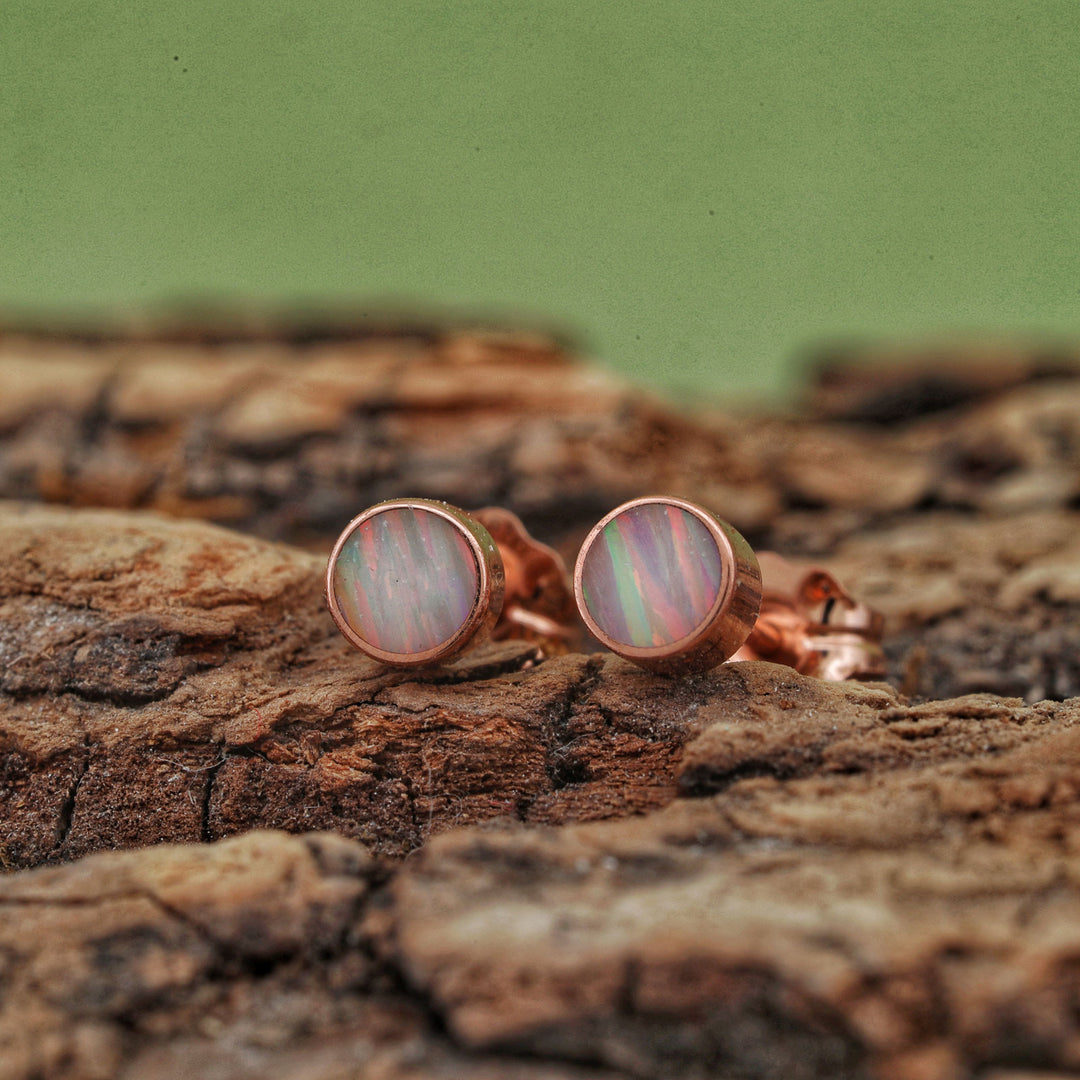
(288, 436)
(748, 873)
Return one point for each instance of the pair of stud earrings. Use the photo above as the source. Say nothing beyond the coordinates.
(659, 581)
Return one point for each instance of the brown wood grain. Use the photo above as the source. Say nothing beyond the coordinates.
(520, 866)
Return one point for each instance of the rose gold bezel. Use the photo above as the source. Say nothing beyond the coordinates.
(730, 618)
(486, 605)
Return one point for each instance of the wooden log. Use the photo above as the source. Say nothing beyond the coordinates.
(163, 680)
(611, 874)
(844, 886)
(287, 437)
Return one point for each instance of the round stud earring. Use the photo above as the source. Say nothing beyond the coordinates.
(414, 582)
(668, 585)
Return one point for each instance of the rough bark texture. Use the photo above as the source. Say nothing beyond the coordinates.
(611, 874)
(288, 437)
(846, 887)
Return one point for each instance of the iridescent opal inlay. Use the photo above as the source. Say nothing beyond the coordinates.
(406, 580)
(651, 575)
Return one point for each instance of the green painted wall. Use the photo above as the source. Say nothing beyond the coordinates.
(700, 187)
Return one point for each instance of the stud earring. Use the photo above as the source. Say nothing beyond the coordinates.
(668, 585)
(414, 582)
(665, 583)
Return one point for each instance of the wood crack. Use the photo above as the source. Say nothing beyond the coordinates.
(67, 807)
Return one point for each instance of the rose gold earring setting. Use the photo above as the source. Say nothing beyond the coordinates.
(538, 602)
(660, 581)
(415, 582)
(810, 622)
(663, 582)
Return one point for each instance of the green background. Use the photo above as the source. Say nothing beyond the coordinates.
(700, 188)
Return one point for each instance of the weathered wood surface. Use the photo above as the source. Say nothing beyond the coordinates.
(288, 438)
(886, 891)
(744, 874)
(168, 680)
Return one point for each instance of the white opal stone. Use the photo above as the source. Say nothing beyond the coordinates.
(406, 580)
(652, 575)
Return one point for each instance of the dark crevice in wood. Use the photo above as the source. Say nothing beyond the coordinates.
(67, 807)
